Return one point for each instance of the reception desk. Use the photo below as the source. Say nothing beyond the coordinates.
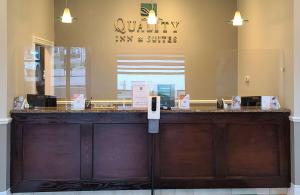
(63, 150)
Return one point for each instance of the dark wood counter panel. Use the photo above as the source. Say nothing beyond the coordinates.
(112, 150)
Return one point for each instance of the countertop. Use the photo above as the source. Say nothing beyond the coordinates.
(204, 109)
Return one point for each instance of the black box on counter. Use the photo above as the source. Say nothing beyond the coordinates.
(41, 101)
(251, 101)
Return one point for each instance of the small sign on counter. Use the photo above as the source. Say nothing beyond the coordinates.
(140, 94)
(19, 103)
(236, 102)
(78, 102)
(184, 102)
(270, 102)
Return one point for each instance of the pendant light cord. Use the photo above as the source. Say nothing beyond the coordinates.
(66, 3)
(152, 4)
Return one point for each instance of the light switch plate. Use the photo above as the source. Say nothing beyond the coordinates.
(247, 79)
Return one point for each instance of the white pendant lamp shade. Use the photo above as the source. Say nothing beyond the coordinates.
(67, 17)
(152, 19)
(238, 20)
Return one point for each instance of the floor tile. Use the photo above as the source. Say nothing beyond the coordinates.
(240, 191)
(184, 192)
(55, 193)
(84, 193)
(165, 192)
(22, 193)
(248, 191)
(278, 191)
(212, 192)
(96, 193)
(133, 192)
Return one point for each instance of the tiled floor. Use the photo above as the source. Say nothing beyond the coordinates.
(258, 191)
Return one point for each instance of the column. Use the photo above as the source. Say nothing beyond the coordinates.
(4, 120)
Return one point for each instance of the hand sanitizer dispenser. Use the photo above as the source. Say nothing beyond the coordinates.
(153, 114)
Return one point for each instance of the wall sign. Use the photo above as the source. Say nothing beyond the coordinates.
(133, 31)
(139, 31)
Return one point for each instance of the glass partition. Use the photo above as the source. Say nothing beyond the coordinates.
(153, 69)
(234, 72)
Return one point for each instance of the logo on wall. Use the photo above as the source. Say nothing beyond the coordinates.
(146, 7)
(139, 31)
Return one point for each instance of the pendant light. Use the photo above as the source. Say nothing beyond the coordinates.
(152, 19)
(67, 17)
(238, 20)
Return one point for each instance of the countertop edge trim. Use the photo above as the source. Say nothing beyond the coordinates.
(5, 121)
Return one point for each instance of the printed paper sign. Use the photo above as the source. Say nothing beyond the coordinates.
(78, 102)
(140, 93)
(270, 102)
(184, 102)
(236, 102)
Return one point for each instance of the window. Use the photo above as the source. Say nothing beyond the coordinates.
(153, 69)
(69, 72)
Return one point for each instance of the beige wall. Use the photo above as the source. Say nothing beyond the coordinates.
(208, 43)
(295, 136)
(265, 46)
(296, 87)
(3, 58)
(25, 19)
